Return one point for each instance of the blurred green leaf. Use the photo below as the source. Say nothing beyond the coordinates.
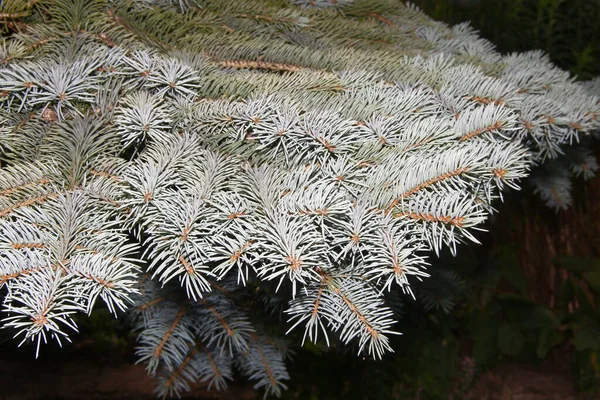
(525, 313)
(587, 338)
(584, 61)
(548, 339)
(593, 278)
(579, 264)
(512, 270)
(510, 340)
(485, 349)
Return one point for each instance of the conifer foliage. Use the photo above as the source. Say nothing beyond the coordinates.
(180, 159)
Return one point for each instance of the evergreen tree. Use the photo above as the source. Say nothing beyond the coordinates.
(186, 160)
